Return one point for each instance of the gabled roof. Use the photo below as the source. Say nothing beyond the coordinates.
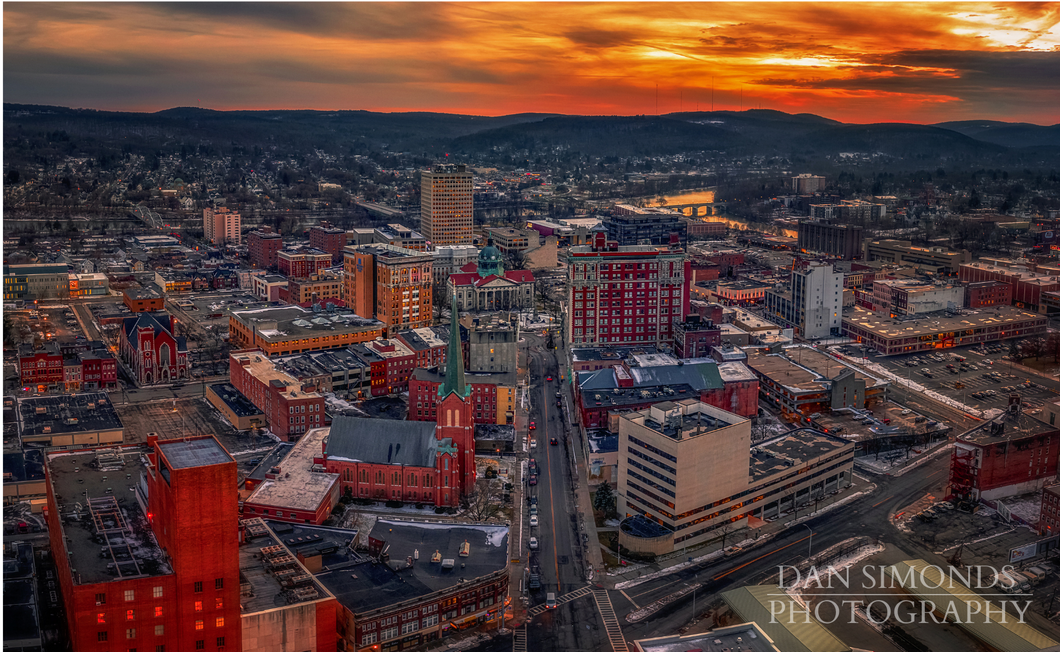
(470, 268)
(519, 275)
(382, 441)
(464, 279)
(148, 320)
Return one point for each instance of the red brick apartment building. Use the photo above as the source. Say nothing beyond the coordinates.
(143, 300)
(263, 247)
(40, 369)
(626, 294)
(302, 264)
(1049, 516)
(170, 577)
(328, 239)
(289, 410)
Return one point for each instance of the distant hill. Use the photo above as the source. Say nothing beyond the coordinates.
(1008, 134)
(745, 133)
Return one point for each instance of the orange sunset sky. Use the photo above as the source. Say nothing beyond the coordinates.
(855, 62)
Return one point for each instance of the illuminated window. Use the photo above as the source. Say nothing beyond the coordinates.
(101, 619)
(219, 603)
(130, 614)
(130, 595)
(199, 624)
(198, 606)
(220, 621)
(157, 592)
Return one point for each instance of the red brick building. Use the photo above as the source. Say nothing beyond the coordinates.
(289, 409)
(182, 589)
(263, 246)
(40, 369)
(302, 264)
(987, 293)
(694, 337)
(170, 575)
(412, 461)
(1011, 454)
(328, 239)
(491, 394)
(1026, 287)
(143, 300)
(150, 351)
(391, 363)
(626, 294)
(1049, 516)
(99, 370)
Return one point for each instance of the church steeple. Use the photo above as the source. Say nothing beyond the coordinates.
(454, 361)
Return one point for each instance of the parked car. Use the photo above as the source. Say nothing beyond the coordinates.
(533, 425)
(533, 510)
(533, 481)
(533, 521)
(548, 378)
(533, 543)
(553, 442)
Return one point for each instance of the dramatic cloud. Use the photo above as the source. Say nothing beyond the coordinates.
(856, 62)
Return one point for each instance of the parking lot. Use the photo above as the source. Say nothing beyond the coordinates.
(976, 377)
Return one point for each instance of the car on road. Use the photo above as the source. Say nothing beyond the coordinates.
(533, 481)
(533, 510)
(533, 466)
(533, 443)
(533, 500)
(559, 394)
(533, 425)
(548, 378)
(550, 601)
(553, 442)
(533, 521)
(733, 550)
(533, 543)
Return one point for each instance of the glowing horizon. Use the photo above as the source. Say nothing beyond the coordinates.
(853, 62)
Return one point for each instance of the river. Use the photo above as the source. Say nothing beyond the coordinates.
(706, 197)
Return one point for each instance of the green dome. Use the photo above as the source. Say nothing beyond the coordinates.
(490, 261)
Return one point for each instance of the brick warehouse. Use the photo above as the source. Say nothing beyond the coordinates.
(289, 410)
(172, 574)
(1011, 454)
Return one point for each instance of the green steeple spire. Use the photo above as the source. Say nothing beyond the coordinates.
(454, 361)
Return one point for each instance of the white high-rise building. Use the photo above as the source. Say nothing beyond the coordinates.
(222, 226)
(446, 210)
(813, 303)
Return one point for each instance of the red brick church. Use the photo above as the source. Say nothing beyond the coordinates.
(411, 461)
(151, 352)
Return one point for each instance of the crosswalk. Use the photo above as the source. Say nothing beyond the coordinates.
(519, 640)
(563, 599)
(611, 626)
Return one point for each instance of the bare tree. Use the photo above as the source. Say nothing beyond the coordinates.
(485, 501)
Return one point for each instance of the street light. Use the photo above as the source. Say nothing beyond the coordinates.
(809, 551)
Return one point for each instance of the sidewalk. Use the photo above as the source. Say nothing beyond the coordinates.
(746, 537)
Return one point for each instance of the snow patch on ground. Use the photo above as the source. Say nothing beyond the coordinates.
(612, 522)
(843, 562)
(920, 389)
(683, 565)
(494, 533)
(870, 463)
(336, 402)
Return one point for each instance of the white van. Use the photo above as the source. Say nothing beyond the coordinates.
(550, 601)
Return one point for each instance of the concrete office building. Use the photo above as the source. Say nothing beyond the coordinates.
(36, 281)
(807, 184)
(669, 503)
(837, 240)
(399, 235)
(450, 259)
(222, 226)
(934, 260)
(813, 303)
(907, 297)
(493, 344)
(446, 208)
(848, 209)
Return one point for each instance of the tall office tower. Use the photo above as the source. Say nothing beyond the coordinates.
(222, 226)
(446, 209)
(390, 284)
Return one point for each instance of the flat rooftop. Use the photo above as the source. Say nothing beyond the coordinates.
(684, 419)
(279, 452)
(1008, 426)
(842, 423)
(262, 368)
(494, 432)
(271, 578)
(293, 322)
(67, 413)
(239, 404)
(936, 322)
(297, 486)
(747, 637)
(620, 397)
(362, 586)
(616, 354)
(794, 448)
(803, 369)
(110, 476)
(191, 453)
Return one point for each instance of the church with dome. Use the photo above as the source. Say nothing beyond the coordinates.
(484, 286)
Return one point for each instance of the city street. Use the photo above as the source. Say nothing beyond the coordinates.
(574, 625)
